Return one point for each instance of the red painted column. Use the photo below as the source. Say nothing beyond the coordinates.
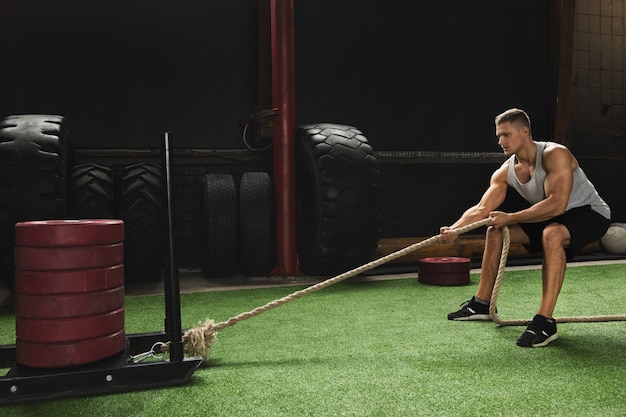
(283, 95)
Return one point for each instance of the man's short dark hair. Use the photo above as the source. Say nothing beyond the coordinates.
(514, 116)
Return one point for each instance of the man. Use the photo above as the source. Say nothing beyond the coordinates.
(565, 214)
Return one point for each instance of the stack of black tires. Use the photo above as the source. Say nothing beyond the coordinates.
(238, 225)
(338, 202)
(37, 184)
(33, 172)
(338, 206)
(134, 195)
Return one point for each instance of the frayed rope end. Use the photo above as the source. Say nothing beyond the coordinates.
(198, 340)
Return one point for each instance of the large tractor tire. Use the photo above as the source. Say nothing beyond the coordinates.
(338, 199)
(141, 209)
(33, 177)
(220, 226)
(256, 224)
(92, 192)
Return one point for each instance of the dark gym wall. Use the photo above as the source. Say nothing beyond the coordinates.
(411, 75)
(426, 76)
(123, 71)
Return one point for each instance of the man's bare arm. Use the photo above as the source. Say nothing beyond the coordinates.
(559, 165)
(490, 200)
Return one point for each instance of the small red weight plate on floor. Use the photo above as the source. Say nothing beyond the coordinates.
(59, 355)
(69, 329)
(70, 281)
(69, 232)
(53, 306)
(67, 257)
(444, 264)
(446, 278)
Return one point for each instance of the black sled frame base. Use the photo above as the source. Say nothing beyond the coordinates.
(111, 375)
(114, 374)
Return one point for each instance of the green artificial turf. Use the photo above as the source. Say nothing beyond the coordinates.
(383, 348)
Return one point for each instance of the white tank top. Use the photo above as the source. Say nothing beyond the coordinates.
(583, 192)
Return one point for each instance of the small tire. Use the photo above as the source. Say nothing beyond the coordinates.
(338, 199)
(33, 177)
(92, 192)
(256, 220)
(141, 209)
(220, 226)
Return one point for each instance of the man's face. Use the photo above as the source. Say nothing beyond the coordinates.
(510, 137)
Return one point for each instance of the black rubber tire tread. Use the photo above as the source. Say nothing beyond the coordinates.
(141, 209)
(220, 226)
(256, 224)
(33, 177)
(338, 199)
(92, 192)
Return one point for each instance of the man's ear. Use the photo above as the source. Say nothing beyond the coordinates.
(525, 130)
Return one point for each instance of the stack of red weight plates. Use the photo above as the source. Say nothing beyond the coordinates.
(69, 292)
(449, 270)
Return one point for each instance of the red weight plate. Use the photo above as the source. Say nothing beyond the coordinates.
(69, 329)
(69, 282)
(69, 232)
(59, 355)
(67, 257)
(68, 305)
(448, 264)
(455, 278)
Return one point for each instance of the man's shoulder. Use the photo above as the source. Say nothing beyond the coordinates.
(555, 148)
(549, 146)
(502, 172)
(557, 155)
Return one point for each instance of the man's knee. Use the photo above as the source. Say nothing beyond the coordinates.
(493, 233)
(516, 235)
(494, 239)
(555, 235)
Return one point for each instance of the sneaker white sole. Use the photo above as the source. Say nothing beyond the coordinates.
(548, 340)
(474, 317)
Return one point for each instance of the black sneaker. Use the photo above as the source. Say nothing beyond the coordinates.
(539, 332)
(471, 310)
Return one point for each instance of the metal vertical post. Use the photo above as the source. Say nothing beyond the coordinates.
(172, 288)
(283, 94)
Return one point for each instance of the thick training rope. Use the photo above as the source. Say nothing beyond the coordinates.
(198, 340)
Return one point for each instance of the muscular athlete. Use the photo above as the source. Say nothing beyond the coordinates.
(565, 214)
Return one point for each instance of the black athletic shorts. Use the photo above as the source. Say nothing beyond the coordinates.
(585, 226)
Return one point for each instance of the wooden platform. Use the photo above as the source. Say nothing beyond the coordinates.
(465, 246)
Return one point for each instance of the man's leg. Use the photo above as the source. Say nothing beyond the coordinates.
(556, 238)
(491, 257)
(542, 329)
(478, 307)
